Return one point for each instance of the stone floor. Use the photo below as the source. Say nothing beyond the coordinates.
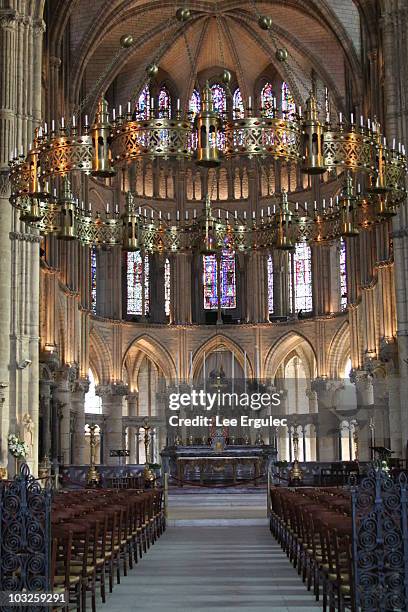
(217, 554)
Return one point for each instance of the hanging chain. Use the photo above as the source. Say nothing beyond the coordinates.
(193, 65)
(291, 77)
(221, 46)
(77, 110)
(142, 80)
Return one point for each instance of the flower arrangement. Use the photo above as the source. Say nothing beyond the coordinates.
(18, 448)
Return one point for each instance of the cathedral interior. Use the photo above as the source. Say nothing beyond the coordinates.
(203, 195)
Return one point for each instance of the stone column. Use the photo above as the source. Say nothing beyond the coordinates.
(132, 400)
(8, 62)
(365, 402)
(62, 394)
(81, 387)
(45, 409)
(327, 424)
(157, 295)
(112, 399)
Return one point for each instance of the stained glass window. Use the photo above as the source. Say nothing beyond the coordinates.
(267, 100)
(137, 290)
(343, 275)
(194, 106)
(238, 111)
(288, 102)
(270, 283)
(143, 104)
(167, 281)
(164, 103)
(219, 98)
(228, 282)
(93, 279)
(300, 285)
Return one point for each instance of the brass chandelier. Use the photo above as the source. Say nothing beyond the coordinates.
(41, 181)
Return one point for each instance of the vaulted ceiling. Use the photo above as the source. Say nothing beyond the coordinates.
(320, 35)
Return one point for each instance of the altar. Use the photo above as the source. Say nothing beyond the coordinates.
(201, 464)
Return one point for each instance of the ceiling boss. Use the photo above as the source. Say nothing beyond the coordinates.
(374, 172)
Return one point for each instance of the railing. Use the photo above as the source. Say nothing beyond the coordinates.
(380, 542)
(24, 534)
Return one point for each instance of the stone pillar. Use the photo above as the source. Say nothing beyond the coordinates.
(132, 400)
(81, 387)
(328, 423)
(157, 294)
(365, 402)
(8, 61)
(62, 394)
(45, 409)
(112, 399)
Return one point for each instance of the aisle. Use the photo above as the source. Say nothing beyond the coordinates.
(202, 567)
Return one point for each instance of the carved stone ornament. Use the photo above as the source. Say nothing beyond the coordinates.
(113, 389)
(28, 432)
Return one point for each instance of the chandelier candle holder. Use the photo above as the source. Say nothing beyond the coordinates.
(296, 472)
(92, 476)
(41, 180)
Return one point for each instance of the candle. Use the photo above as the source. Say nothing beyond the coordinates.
(120, 110)
(245, 368)
(249, 102)
(178, 104)
(204, 375)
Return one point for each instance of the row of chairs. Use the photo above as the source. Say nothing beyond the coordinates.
(98, 534)
(317, 539)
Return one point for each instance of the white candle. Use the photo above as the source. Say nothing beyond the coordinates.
(178, 104)
(249, 102)
(204, 374)
(245, 369)
(232, 370)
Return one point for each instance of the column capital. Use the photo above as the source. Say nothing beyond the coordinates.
(132, 396)
(8, 17)
(81, 385)
(114, 389)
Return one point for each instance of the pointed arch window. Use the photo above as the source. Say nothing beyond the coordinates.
(268, 100)
(93, 402)
(219, 98)
(194, 105)
(288, 102)
(228, 281)
(143, 104)
(164, 103)
(300, 279)
(238, 111)
(93, 279)
(343, 275)
(167, 287)
(270, 283)
(137, 277)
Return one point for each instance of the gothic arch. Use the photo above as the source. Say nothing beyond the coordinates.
(156, 352)
(339, 351)
(100, 358)
(286, 345)
(215, 342)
